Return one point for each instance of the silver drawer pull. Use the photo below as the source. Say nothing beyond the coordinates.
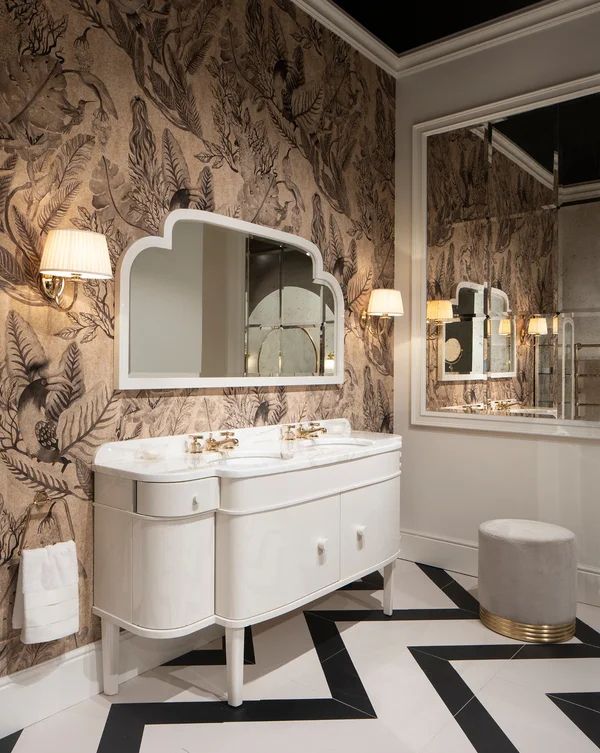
(360, 532)
(195, 502)
(321, 545)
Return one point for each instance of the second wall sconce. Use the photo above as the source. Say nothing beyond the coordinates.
(384, 304)
(71, 254)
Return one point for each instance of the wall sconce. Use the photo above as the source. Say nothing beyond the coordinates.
(75, 255)
(505, 327)
(555, 324)
(329, 364)
(537, 326)
(439, 312)
(384, 303)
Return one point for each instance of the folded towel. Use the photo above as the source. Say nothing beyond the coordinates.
(47, 598)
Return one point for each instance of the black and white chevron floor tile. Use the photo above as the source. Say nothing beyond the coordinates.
(340, 676)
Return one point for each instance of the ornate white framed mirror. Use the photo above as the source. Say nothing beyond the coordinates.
(220, 302)
(506, 265)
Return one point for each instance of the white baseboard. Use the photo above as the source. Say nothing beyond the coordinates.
(33, 694)
(461, 557)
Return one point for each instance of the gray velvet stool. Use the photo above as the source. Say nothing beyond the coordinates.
(527, 580)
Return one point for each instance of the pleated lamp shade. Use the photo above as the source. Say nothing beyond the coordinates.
(385, 302)
(76, 253)
(439, 311)
(537, 325)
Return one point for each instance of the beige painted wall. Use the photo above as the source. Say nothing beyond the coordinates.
(453, 480)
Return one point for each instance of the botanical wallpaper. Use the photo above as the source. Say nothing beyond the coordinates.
(113, 113)
(487, 221)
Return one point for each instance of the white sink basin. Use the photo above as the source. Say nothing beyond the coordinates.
(336, 442)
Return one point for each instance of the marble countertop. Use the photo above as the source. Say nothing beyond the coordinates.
(261, 452)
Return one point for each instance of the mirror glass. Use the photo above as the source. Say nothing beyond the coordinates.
(223, 303)
(513, 264)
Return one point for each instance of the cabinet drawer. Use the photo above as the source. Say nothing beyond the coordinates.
(177, 499)
(370, 531)
(277, 557)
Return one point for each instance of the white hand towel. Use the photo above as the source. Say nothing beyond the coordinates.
(47, 599)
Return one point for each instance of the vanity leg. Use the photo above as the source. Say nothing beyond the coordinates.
(234, 647)
(110, 657)
(388, 586)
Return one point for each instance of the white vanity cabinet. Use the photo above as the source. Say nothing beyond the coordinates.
(182, 542)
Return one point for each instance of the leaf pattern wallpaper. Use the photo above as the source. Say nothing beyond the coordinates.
(112, 114)
(488, 221)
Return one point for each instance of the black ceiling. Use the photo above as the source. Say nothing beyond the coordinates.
(426, 22)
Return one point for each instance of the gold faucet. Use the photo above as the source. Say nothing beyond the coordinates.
(311, 431)
(198, 443)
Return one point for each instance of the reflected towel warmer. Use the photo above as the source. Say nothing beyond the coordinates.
(583, 375)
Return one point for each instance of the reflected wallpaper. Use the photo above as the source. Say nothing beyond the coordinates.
(113, 113)
(489, 222)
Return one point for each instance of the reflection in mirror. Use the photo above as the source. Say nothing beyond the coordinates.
(225, 303)
(513, 240)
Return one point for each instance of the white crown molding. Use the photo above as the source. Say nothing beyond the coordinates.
(340, 23)
(518, 156)
(579, 192)
(518, 24)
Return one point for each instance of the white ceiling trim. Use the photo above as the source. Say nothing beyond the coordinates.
(519, 24)
(340, 23)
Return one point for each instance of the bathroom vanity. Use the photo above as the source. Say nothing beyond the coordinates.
(183, 540)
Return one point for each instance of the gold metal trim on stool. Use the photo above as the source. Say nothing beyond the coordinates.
(522, 631)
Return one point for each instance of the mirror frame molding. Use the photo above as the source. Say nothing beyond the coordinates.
(420, 416)
(124, 381)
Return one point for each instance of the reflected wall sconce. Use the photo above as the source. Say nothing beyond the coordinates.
(439, 312)
(505, 327)
(537, 326)
(384, 304)
(74, 255)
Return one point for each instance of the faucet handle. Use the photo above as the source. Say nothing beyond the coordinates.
(195, 443)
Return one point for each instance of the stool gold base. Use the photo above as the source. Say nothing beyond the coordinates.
(521, 631)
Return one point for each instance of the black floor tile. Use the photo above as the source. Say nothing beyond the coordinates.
(587, 634)
(484, 734)
(585, 718)
(8, 743)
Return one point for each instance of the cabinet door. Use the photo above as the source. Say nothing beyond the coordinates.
(173, 571)
(270, 559)
(370, 526)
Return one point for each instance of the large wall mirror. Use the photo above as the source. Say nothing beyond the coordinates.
(507, 267)
(222, 302)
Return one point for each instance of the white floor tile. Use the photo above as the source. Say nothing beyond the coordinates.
(351, 736)
(412, 590)
(75, 730)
